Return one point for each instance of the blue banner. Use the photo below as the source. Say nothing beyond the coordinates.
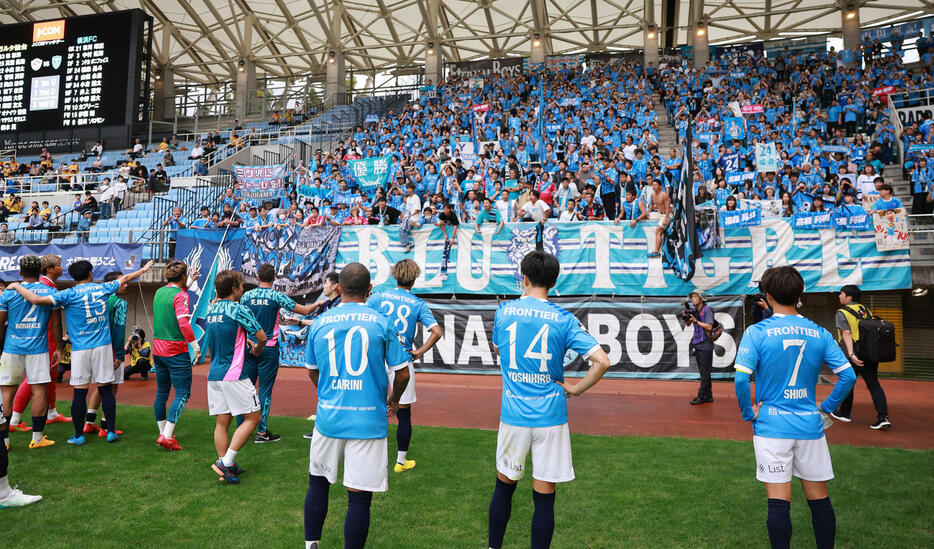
(370, 172)
(210, 252)
(837, 149)
(738, 178)
(813, 220)
(733, 128)
(600, 258)
(730, 162)
(106, 258)
(371, 118)
(847, 221)
(257, 184)
(734, 219)
(302, 258)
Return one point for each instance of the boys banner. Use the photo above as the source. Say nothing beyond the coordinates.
(891, 229)
(643, 339)
(601, 258)
(105, 258)
(370, 172)
(258, 184)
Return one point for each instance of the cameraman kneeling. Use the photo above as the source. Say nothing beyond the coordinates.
(139, 355)
(701, 316)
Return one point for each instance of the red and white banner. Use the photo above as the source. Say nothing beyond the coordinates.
(751, 109)
(884, 90)
(483, 107)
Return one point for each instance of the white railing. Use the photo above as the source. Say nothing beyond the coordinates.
(71, 182)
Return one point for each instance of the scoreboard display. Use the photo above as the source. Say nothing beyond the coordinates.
(71, 73)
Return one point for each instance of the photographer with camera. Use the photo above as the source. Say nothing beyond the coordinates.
(698, 314)
(139, 355)
(760, 308)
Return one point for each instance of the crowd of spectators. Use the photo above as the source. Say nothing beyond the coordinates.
(595, 153)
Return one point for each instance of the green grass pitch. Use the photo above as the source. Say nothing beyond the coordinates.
(629, 492)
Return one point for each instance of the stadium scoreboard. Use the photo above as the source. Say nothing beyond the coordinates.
(62, 75)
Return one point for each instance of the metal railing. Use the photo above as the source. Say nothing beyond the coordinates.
(916, 97)
(52, 183)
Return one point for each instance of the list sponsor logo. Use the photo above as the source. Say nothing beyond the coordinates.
(46, 31)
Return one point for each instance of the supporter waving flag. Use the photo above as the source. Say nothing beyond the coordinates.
(681, 248)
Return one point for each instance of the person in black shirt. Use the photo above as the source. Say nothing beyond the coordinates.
(382, 214)
(448, 222)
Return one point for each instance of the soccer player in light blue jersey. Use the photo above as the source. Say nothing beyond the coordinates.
(532, 337)
(347, 354)
(406, 311)
(26, 349)
(92, 361)
(230, 391)
(786, 353)
(265, 304)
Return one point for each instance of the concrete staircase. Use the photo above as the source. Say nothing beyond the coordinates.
(667, 136)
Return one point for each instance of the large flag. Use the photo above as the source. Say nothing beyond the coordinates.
(541, 118)
(681, 248)
(197, 247)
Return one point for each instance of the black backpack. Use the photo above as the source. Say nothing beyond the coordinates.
(876, 338)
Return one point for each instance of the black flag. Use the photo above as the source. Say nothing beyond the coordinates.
(681, 248)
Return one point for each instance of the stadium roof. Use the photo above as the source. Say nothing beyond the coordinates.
(203, 40)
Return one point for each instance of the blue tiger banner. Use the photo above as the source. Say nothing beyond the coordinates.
(302, 258)
(601, 258)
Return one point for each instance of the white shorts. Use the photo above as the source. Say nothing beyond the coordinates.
(365, 461)
(92, 365)
(778, 459)
(232, 397)
(118, 374)
(408, 396)
(35, 368)
(551, 452)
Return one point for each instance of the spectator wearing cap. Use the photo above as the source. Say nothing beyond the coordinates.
(702, 318)
(847, 323)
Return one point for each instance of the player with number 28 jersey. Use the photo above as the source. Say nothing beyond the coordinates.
(405, 311)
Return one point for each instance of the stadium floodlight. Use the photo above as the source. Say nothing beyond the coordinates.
(536, 40)
(332, 56)
(851, 14)
(158, 76)
(651, 32)
(919, 292)
(701, 29)
(431, 48)
(241, 65)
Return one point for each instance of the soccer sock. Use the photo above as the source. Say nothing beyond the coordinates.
(357, 523)
(15, 419)
(229, 457)
(400, 457)
(404, 432)
(53, 413)
(169, 429)
(5, 434)
(824, 521)
(543, 519)
(316, 507)
(91, 416)
(38, 425)
(4, 481)
(779, 523)
(109, 406)
(161, 424)
(500, 509)
(79, 407)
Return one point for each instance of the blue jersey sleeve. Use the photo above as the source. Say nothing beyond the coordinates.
(396, 357)
(284, 301)
(64, 298)
(578, 339)
(497, 336)
(747, 357)
(5, 299)
(110, 287)
(310, 361)
(246, 319)
(426, 318)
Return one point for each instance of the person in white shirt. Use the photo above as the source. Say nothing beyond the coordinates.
(570, 214)
(865, 182)
(97, 149)
(411, 217)
(106, 191)
(588, 140)
(119, 191)
(196, 152)
(502, 205)
(566, 192)
(535, 210)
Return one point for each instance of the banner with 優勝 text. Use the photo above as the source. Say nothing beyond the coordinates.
(642, 339)
(259, 184)
(602, 258)
(370, 173)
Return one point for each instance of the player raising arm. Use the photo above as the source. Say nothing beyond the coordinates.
(405, 311)
(349, 348)
(230, 392)
(85, 307)
(265, 303)
(786, 352)
(532, 336)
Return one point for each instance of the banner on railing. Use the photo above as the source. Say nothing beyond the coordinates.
(601, 258)
(105, 258)
(370, 172)
(891, 228)
(813, 220)
(643, 339)
(734, 219)
(849, 220)
(739, 178)
(302, 259)
(257, 184)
